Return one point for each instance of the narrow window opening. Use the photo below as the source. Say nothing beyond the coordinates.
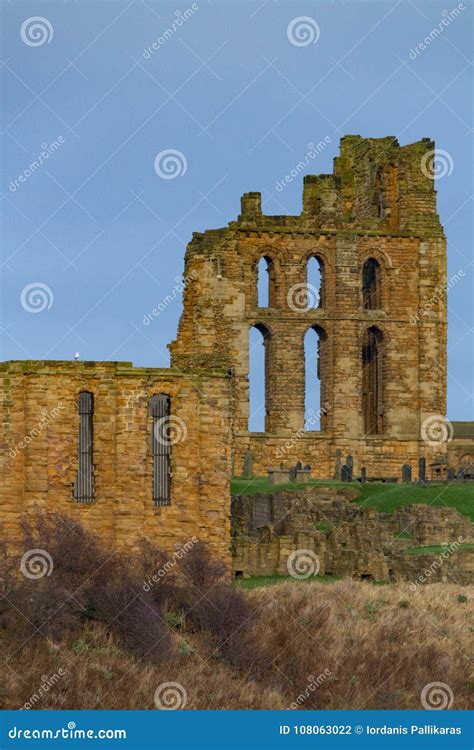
(160, 410)
(371, 285)
(84, 484)
(372, 382)
(315, 282)
(266, 283)
(380, 193)
(259, 365)
(315, 415)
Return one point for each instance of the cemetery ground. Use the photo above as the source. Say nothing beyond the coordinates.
(384, 497)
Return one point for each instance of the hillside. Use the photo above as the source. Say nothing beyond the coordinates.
(336, 646)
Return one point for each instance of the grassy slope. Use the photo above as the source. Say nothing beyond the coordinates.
(382, 497)
(379, 646)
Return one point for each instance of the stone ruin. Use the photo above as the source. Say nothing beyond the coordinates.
(347, 539)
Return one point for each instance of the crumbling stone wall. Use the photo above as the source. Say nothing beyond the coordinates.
(347, 539)
(39, 448)
(379, 203)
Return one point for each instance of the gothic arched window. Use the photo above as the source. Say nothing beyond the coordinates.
(259, 377)
(372, 381)
(315, 282)
(371, 285)
(266, 282)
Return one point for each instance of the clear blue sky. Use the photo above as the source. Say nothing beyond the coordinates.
(107, 235)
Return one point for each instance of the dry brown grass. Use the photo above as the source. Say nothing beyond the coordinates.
(377, 647)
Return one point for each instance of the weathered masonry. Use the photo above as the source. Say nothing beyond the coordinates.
(130, 451)
(149, 452)
(374, 233)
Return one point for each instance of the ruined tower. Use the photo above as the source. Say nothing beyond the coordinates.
(373, 228)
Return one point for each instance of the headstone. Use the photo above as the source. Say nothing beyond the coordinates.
(298, 466)
(345, 474)
(248, 464)
(338, 468)
(451, 474)
(421, 469)
(293, 474)
(406, 474)
(363, 475)
(350, 467)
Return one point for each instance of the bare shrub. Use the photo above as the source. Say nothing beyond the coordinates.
(133, 615)
(212, 604)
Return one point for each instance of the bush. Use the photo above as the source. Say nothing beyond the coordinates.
(136, 596)
(211, 604)
(82, 581)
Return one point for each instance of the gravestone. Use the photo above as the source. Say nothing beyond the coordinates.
(345, 474)
(363, 475)
(248, 464)
(298, 466)
(293, 474)
(406, 474)
(350, 467)
(421, 469)
(337, 471)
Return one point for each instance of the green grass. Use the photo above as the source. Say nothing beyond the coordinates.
(241, 486)
(383, 497)
(258, 581)
(325, 526)
(436, 549)
(388, 497)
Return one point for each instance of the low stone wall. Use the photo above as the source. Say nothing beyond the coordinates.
(348, 540)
